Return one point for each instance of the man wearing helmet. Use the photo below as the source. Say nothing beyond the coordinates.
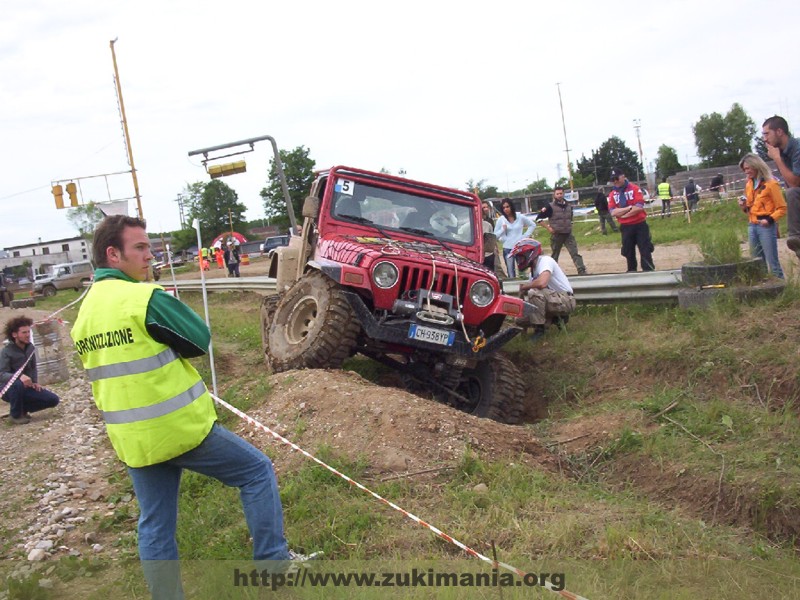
(548, 289)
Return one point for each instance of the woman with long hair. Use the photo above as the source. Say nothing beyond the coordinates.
(764, 204)
(509, 229)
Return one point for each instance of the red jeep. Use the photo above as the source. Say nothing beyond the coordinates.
(391, 268)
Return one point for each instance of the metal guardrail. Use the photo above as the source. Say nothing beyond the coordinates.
(651, 286)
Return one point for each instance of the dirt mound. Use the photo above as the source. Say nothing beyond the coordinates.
(396, 432)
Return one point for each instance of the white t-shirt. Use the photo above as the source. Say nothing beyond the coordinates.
(558, 280)
(510, 233)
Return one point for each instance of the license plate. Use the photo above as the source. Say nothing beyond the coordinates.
(431, 335)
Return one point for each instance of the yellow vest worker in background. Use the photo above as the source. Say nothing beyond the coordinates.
(665, 195)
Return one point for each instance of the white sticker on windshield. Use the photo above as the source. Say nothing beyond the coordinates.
(344, 186)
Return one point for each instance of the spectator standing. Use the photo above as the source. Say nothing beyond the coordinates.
(220, 257)
(548, 289)
(717, 186)
(785, 151)
(601, 206)
(692, 194)
(559, 216)
(159, 414)
(665, 195)
(489, 239)
(764, 204)
(25, 395)
(627, 205)
(232, 259)
(509, 229)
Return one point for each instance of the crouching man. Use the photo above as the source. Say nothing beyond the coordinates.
(548, 289)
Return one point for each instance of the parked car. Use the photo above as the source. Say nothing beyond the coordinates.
(64, 276)
(274, 242)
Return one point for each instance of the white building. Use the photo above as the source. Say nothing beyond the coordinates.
(44, 254)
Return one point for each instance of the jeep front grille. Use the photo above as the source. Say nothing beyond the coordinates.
(415, 278)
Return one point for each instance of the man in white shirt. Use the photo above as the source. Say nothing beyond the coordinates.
(548, 289)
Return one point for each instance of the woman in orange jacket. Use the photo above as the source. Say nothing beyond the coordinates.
(764, 204)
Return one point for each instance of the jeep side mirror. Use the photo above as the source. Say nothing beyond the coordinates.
(311, 207)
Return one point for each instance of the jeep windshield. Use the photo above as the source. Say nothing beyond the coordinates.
(403, 211)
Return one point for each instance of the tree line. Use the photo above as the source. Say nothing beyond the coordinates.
(720, 140)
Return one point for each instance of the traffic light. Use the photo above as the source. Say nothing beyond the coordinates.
(72, 190)
(58, 192)
(227, 169)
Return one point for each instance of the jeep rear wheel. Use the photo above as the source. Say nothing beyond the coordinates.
(494, 390)
(313, 327)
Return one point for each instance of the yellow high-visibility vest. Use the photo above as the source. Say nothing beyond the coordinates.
(154, 403)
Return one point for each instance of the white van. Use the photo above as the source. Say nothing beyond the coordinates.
(64, 276)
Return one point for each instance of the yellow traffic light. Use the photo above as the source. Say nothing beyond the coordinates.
(58, 192)
(227, 169)
(72, 190)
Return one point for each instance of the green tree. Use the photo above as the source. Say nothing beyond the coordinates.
(85, 218)
(722, 141)
(217, 208)
(760, 147)
(540, 185)
(611, 153)
(667, 162)
(299, 171)
(484, 191)
(578, 179)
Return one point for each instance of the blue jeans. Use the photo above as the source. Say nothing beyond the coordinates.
(229, 459)
(764, 245)
(27, 400)
(511, 264)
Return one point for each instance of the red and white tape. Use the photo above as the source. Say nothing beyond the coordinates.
(413, 517)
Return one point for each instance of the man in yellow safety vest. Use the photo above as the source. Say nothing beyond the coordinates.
(665, 195)
(134, 340)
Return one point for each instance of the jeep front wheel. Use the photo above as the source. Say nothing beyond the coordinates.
(494, 390)
(48, 291)
(313, 327)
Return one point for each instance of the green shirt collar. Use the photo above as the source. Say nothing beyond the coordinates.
(108, 273)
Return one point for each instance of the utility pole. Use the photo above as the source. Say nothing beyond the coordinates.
(637, 125)
(566, 145)
(181, 214)
(125, 132)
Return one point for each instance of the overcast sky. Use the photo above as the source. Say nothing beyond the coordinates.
(448, 91)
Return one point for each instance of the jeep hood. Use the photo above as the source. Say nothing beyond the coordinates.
(363, 251)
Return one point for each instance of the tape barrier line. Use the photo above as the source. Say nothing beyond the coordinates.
(495, 563)
(519, 572)
(726, 188)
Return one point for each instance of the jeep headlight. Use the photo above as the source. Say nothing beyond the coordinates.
(385, 275)
(481, 293)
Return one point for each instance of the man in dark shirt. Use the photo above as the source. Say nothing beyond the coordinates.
(601, 206)
(559, 223)
(23, 392)
(785, 151)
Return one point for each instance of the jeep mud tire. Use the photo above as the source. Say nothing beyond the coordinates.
(313, 327)
(494, 389)
(268, 308)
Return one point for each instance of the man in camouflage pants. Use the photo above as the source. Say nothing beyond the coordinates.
(548, 289)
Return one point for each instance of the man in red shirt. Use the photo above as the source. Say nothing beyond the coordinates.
(626, 204)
